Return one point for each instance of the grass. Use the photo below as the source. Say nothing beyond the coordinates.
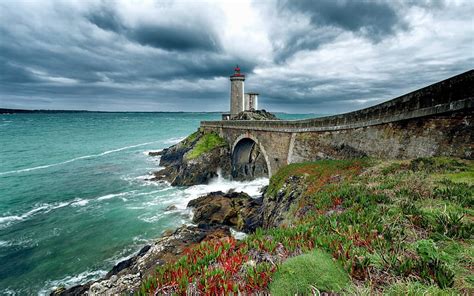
(207, 142)
(416, 289)
(191, 138)
(308, 272)
(393, 226)
(317, 173)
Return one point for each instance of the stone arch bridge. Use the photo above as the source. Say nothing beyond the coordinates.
(435, 120)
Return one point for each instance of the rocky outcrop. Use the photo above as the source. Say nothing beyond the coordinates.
(279, 208)
(195, 160)
(255, 115)
(235, 209)
(126, 276)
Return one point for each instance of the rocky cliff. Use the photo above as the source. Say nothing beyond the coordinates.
(195, 160)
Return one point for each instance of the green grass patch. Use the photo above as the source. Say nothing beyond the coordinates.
(206, 143)
(302, 274)
(317, 173)
(437, 164)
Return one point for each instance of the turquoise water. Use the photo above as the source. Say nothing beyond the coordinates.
(74, 199)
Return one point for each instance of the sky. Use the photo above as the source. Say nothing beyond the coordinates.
(304, 56)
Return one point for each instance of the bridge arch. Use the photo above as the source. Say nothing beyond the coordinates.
(249, 158)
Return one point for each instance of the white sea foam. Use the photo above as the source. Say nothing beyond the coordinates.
(174, 140)
(72, 280)
(252, 188)
(7, 220)
(79, 202)
(75, 159)
(39, 209)
(4, 244)
(110, 196)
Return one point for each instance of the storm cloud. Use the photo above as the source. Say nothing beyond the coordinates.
(301, 56)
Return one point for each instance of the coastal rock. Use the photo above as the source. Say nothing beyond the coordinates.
(276, 207)
(195, 160)
(255, 115)
(155, 153)
(236, 209)
(126, 276)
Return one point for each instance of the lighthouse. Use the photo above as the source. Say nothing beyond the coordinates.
(237, 98)
(239, 101)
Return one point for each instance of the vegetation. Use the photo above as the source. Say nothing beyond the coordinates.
(307, 273)
(395, 227)
(191, 138)
(206, 143)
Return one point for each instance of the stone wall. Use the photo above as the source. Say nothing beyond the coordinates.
(448, 135)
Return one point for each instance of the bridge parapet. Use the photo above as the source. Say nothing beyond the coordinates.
(453, 94)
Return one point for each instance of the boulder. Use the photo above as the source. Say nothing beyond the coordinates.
(235, 209)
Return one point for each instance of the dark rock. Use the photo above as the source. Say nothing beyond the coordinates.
(171, 208)
(255, 115)
(235, 209)
(155, 153)
(276, 208)
(126, 276)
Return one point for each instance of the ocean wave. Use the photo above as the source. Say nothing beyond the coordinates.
(72, 280)
(174, 140)
(110, 196)
(75, 159)
(4, 243)
(6, 221)
(42, 208)
(79, 202)
(151, 219)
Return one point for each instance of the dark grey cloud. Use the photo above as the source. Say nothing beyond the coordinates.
(187, 35)
(374, 19)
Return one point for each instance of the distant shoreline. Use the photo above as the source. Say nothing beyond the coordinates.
(14, 111)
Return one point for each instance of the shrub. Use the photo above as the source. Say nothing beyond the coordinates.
(457, 192)
(301, 274)
(431, 266)
(452, 225)
(437, 164)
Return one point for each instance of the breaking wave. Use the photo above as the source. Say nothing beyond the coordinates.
(76, 159)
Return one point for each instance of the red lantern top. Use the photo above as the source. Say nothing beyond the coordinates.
(237, 71)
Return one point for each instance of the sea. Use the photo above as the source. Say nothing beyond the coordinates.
(75, 198)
